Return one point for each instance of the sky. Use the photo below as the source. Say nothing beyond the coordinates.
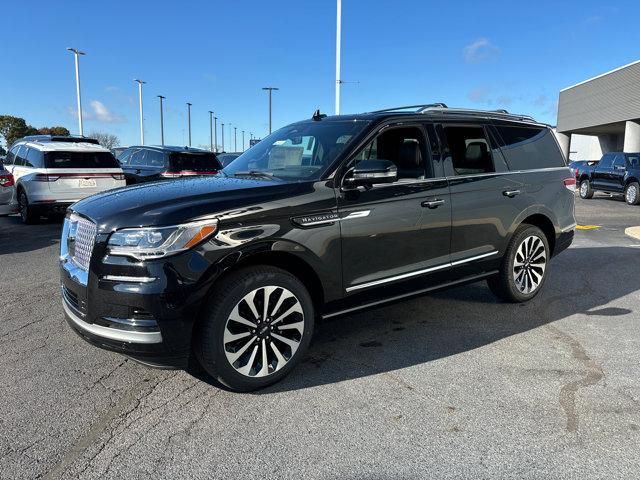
(217, 55)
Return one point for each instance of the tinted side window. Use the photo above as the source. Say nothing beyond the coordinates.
(154, 159)
(634, 160)
(11, 156)
(124, 157)
(405, 147)
(619, 161)
(606, 161)
(530, 147)
(469, 150)
(137, 158)
(20, 160)
(35, 158)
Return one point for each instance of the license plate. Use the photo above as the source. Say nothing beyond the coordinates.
(87, 182)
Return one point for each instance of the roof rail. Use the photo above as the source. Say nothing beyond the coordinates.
(414, 108)
(443, 108)
(59, 138)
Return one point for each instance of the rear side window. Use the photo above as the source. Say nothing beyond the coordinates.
(35, 158)
(469, 150)
(80, 160)
(123, 158)
(634, 161)
(197, 162)
(154, 159)
(20, 160)
(529, 148)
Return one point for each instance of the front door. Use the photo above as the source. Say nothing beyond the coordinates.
(619, 172)
(396, 231)
(602, 172)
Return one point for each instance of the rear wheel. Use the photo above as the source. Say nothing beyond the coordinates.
(256, 328)
(524, 266)
(632, 193)
(27, 213)
(586, 190)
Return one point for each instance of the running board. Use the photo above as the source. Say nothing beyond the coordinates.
(415, 293)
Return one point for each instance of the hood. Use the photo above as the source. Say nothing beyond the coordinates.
(172, 202)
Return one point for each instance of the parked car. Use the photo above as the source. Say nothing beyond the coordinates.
(226, 158)
(117, 151)
(322, 218)
(144, 164)
(52, 172)
(579, 166)
(7, 192)
(616, 172)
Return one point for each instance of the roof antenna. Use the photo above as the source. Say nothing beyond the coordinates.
(317, 116)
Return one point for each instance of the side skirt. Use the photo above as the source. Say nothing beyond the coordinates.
(416, 293)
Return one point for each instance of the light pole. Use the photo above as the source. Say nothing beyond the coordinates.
(229, 126)
(189, 120)
(222, 130)
(235, 139)
(140, 82)
(211, 129)
(76, 54)
(215, 134)
(161, 121)
(270, 90)
(243, 149)
(338, 35)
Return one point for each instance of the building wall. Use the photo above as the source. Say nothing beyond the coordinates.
(610, 98)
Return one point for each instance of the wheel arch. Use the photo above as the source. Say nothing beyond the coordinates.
(544, 223)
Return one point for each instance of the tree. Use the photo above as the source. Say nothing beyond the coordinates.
(107, 140)
(54, 131)
(12, 128)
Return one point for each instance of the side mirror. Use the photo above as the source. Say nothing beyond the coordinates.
(370, 172)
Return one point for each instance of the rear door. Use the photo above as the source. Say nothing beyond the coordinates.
(485, 198)
(200, 163)
(154, 165)
(134, 169)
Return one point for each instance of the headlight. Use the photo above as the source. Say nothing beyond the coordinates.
(157, 242)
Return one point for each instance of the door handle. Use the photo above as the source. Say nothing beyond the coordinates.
(432, 203)
(511, 193)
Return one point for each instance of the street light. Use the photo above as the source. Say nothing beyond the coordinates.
(243, 149)
(76, 54)
(235, 139)
(211, 129)
(161, 121)
(270, 90)
(189, 120)
(229, 126)
(215, 134)
(222, 130)
(338, 35)
(140, 82)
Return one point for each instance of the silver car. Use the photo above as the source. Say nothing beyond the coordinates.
(7, 192)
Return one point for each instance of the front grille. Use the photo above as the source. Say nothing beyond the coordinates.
(83, 245)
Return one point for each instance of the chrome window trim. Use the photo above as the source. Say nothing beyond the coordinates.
(511, 172)
(113, 333)
(419, 272)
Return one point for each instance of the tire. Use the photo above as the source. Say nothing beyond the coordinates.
(27, 213)
(238, 362)
(512, 286)
(586, 190)
(632, 193)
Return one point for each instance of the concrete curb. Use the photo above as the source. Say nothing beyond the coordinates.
(633, 232)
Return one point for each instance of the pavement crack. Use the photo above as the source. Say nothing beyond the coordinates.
(593, 373)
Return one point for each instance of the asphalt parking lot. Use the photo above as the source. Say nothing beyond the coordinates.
(451, 385)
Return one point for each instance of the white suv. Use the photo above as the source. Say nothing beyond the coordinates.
(51, 173)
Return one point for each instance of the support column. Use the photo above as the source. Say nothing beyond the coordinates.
(565, 144)
(631, 137)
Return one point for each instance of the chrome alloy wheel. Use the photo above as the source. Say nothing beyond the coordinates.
(584, 186)
(529, 264)
(632, 194)
(264, 331)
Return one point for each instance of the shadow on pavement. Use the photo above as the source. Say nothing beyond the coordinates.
(459, 320)
(15, 237)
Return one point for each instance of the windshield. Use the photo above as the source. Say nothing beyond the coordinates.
(80, 160)
(301, 151)
(197, 162)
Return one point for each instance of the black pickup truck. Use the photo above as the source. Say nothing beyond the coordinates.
(616, 172)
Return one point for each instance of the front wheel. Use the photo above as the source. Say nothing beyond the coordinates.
(632, 193)
(524, 266)
(255, 329)
(586, 190)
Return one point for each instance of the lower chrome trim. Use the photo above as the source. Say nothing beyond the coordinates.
(569, 228)
(113, 333)
(419, 272)
(122, 278)
(415, 293)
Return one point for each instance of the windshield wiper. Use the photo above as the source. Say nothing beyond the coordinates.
(253, 173)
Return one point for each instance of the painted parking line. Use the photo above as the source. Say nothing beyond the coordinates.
(633, 232)
(588, 227)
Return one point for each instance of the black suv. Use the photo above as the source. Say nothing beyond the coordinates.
(321, 218)
(144, 164)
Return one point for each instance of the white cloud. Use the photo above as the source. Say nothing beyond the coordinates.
(99, 113)
(481, 50)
